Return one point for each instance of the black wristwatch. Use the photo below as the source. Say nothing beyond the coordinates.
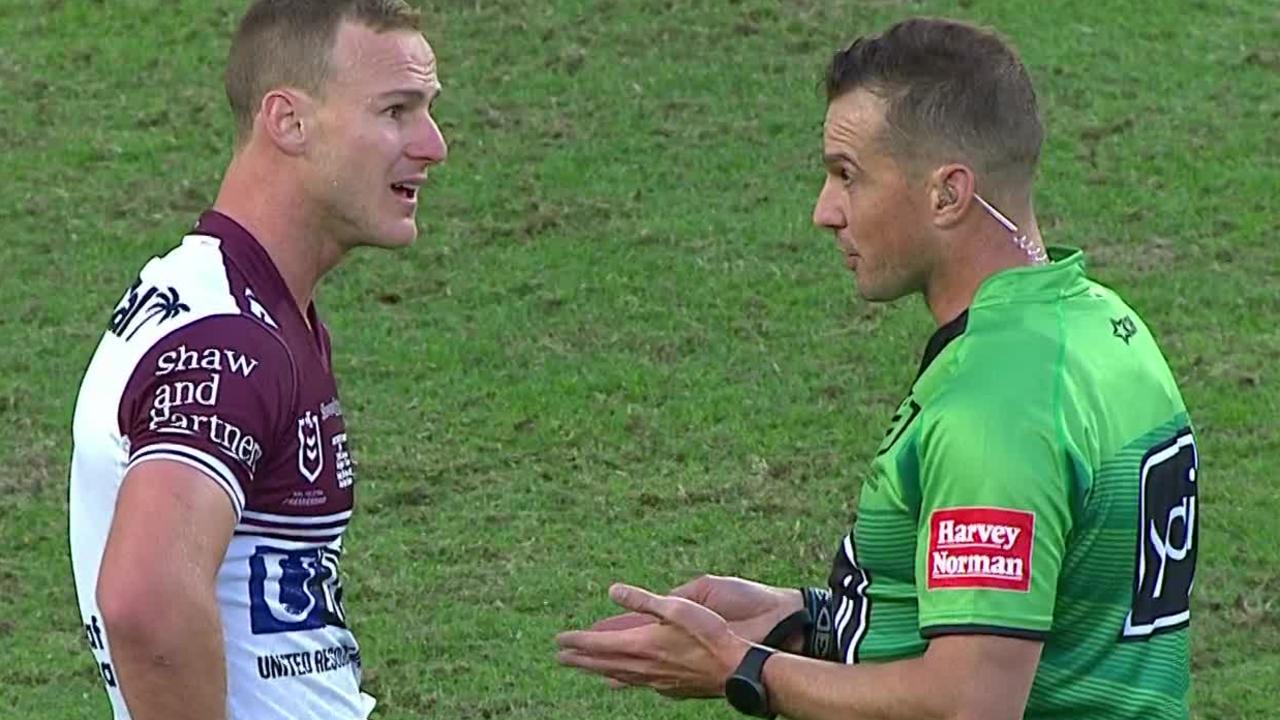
(745, 689)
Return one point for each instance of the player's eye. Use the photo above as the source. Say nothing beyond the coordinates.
(846, 176)
(395, 111)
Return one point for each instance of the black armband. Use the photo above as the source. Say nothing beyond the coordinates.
(820, 640)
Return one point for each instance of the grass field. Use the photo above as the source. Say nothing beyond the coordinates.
(619, 350)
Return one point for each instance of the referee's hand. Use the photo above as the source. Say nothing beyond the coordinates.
(686, 651)
(752, 609)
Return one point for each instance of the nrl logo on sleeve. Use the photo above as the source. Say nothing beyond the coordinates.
(310, 454)
(981, 548)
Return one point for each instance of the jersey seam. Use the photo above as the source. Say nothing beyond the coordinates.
(979, 628)
(1044, 297)
(1059, 373)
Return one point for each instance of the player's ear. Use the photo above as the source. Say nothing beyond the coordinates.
(284, 117)
(951, 189)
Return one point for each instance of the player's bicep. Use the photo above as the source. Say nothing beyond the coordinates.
(169, 533)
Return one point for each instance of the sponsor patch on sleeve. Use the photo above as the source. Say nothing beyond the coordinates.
(980, 547)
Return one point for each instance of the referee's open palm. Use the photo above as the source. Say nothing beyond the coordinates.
(750, 608)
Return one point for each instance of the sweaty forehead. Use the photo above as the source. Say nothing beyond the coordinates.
(854, 122)
(377, 62)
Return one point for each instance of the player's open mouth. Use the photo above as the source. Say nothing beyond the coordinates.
(405, 190)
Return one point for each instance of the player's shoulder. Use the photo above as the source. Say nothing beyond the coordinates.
(228, 335)
(184, 287)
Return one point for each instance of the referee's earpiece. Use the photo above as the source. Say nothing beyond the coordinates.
(946, 197)
(951, 186)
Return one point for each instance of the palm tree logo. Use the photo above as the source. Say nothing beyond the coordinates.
(161, 305)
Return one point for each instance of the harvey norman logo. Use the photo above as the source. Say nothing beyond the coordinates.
(981, 547)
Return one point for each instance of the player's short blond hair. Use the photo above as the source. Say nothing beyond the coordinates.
(287, 43)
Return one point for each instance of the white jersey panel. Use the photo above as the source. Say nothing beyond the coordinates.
(187, 284)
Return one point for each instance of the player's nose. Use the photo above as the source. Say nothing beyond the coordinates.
(428, 144)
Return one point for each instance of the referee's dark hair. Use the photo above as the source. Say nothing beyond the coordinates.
(955, 92)
(287, 43)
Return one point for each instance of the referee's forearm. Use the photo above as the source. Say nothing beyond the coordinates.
(803, 688)
(960, 677)
(171, 663)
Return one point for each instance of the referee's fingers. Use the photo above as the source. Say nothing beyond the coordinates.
(589, 642)
(695, 590)
(625, 621)
(638, 599)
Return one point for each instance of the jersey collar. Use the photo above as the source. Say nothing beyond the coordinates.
(1062, 276)
(269, 287)
(246, 252)
(941, 338)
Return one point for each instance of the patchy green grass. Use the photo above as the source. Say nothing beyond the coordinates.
(619, 349)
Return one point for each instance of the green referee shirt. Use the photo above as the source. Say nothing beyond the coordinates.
(1038, 481)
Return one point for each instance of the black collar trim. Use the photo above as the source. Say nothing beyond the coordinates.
(941, 338)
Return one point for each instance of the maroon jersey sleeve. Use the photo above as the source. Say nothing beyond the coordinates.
(216, 395)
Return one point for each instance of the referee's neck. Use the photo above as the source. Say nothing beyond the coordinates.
(951, 287)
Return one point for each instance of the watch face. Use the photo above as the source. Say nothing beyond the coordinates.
(746, 696)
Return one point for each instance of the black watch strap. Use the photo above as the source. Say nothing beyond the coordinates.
(745, 689)
(796, 622)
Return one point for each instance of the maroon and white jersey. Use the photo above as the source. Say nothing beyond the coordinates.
(208, 362)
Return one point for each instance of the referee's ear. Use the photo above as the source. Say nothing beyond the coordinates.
(282, 118)
(951, 189)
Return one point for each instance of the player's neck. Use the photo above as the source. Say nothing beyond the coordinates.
(276, 214)
(951, 288)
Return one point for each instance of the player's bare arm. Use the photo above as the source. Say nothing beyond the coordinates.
(156, 591)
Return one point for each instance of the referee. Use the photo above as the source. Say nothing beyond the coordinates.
(1025, 543)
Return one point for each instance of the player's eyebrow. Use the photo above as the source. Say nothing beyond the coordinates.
(414, 96)
(835, 158)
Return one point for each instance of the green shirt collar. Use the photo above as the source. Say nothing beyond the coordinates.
(1063, 275)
